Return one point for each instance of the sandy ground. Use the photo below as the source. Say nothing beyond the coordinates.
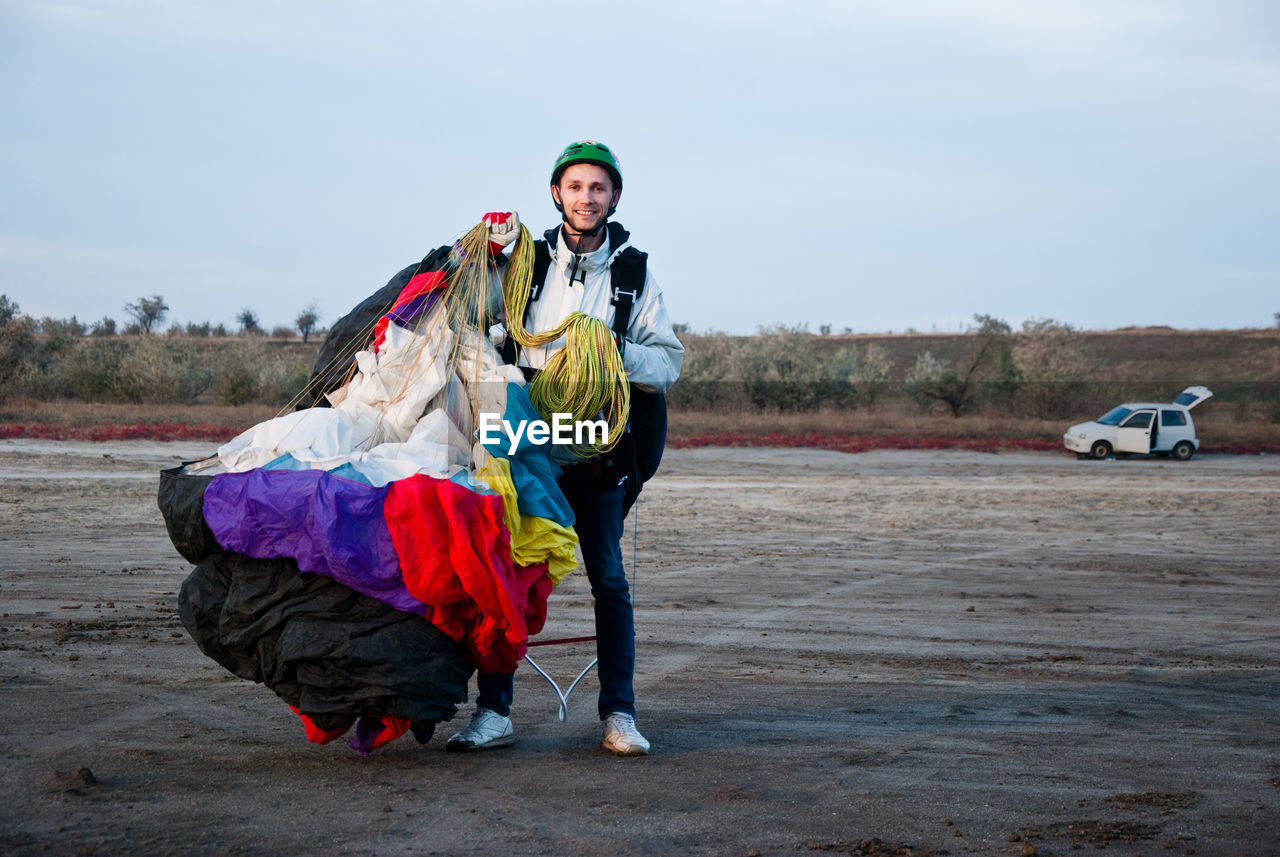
(945, 652)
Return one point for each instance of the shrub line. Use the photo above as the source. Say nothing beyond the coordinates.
(777, 440)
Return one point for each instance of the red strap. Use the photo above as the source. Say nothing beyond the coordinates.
(561, 640)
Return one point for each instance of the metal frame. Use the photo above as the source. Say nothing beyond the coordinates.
(563, 696)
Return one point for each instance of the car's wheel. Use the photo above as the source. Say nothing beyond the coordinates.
(1183, 450)
(1100, 449)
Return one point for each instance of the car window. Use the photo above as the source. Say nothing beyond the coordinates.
(1173, 418)
(1142, 419)
(1114, 416)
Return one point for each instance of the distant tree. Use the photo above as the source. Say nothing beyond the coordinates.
(835, 376)
(306, 321)
(779, 368)
(104, 327)
(1055, 364)
(824, 329)
(9, 310)
(70, 328)
(987, 364)
(707, 378)
(680, 327)
(201, 329)
(219, 329)
(148, 312)
(1277, 314)
(935, 380)
(989, 324)
(248, 320)
(999, 373)
(59, 337)
(872, 374)
(280, 331)
(17, 342)
(850, 379)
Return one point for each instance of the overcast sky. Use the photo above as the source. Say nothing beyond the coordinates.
(871, 165)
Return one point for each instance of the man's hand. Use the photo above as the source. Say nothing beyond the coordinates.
(504, 228)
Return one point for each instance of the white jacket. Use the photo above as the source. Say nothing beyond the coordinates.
(652, 356)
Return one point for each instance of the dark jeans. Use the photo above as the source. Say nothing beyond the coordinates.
(599, 527)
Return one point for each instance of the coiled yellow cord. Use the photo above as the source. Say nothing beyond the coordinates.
(586, 378)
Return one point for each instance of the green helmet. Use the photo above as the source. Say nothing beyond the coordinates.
(588, 152)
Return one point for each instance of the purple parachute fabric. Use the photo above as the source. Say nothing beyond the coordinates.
(330, 525)
(406, 314)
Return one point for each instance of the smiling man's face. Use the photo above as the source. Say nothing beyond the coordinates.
(586, 194)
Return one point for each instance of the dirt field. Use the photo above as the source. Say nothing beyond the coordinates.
(890, 653)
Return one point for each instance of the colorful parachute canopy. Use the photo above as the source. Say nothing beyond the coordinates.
(361, 558)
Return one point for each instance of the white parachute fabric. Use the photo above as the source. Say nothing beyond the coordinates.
(404, 412)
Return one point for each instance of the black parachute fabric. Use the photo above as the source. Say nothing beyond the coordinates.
(355, 329)
(331, 652)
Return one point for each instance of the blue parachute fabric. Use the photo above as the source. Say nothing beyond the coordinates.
(534, 473)
(286, 462)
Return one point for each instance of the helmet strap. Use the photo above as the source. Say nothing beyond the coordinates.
(589, 234)
(577, 237)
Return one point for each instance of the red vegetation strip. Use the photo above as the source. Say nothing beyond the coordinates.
(139, 431)
(1265, 448)
(866, 444)
(863, 444)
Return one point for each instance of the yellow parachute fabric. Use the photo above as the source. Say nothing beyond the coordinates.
(533, 539)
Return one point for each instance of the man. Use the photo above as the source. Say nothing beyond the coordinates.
(584, 251)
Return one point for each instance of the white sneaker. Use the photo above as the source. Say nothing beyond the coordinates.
(621, 736)
(488, 729)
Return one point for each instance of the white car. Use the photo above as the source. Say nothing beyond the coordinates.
(1143, 428)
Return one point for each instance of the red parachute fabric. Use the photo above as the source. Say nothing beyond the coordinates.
(427, 281)
(392, 728)
(455, 557)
